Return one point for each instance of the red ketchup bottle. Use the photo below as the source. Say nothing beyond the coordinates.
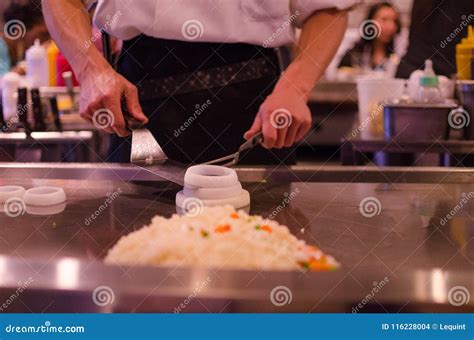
(63, 66)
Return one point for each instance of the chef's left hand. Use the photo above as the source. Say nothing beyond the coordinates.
(284, 118)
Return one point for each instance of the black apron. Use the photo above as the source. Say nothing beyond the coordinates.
(192, 115)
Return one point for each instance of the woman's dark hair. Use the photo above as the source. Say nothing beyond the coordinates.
(28, 12)
(366, 40)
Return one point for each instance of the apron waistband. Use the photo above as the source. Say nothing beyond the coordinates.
(217, 77)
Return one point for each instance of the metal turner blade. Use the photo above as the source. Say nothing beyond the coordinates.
(148, 154)
(145, 149)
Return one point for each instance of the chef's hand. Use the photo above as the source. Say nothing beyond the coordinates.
(319, 40)
(284, 119)
(100, 101)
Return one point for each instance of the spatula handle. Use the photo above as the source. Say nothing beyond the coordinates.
(133, 124)
(130, 122)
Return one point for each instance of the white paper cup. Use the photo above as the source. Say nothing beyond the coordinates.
(372, 93)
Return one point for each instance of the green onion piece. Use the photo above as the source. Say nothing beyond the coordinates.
(306, 265)
(257, 227)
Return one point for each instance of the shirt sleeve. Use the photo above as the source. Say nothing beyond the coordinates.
(303, 9)
(5, 63)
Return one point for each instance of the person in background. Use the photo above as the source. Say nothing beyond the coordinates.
(436, 28)
(376, 45)
(23, 23)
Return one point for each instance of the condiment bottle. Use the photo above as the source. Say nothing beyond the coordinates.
(52, 52)
(37, 72)
(11, 82)
(63, 66)
(464, 52)
(429, 92)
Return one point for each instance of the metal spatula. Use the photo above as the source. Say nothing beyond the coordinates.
(148, 154)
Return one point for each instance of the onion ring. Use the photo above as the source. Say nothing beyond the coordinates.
(210, 176)
(10, 191)
(212, 193)
(44, 196)
(238, 201)
(45, 210)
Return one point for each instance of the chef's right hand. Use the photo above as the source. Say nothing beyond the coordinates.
(100, 101)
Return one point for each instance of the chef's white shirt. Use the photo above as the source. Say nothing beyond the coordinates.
(270, 23)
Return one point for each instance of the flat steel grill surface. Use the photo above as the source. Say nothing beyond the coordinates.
(403, 251)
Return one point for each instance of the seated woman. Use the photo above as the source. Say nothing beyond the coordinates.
(23, 24)
(376, 45)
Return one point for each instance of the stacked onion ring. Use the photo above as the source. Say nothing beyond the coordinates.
(213, 185)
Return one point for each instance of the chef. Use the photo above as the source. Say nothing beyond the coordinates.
(204, 75)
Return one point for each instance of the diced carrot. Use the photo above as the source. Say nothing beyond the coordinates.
(234, 215)
(222, 228)
(267, 228)
(317, 265)
(314, 265)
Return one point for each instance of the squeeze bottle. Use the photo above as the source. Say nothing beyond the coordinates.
(37, 73)
(464, 52)
(429, 91)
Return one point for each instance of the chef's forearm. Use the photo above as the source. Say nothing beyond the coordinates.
(320, 38)
(70, 26)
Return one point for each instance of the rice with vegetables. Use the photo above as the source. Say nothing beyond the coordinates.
(219, 237)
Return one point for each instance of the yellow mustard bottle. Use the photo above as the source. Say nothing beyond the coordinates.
(52, 52)
(464, 55)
